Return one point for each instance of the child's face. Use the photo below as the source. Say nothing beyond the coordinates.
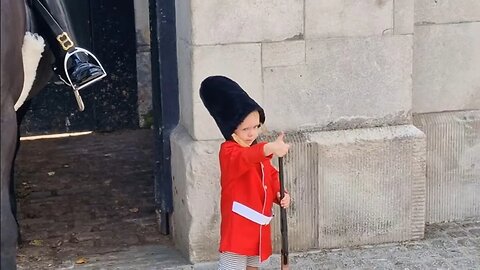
(249, 129)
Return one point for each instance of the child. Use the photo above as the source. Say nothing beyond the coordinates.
(249, 182)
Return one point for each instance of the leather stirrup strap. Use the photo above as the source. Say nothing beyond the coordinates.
(62, 37)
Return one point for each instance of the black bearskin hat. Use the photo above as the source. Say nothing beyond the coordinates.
(227, 103)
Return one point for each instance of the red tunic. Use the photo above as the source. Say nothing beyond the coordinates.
(247, 177)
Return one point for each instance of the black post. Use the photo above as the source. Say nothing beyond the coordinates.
(164, 101)
(283, 219)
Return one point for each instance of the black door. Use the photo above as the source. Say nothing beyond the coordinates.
(106, 28)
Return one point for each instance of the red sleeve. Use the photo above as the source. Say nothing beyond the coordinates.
(234, 156)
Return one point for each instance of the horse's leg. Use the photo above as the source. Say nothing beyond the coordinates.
(13, 195)
(12, 35)
(9, 228)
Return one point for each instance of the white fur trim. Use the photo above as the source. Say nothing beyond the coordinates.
(32, 49)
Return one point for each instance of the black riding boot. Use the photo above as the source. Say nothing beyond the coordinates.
(78, 70)
(81, 71)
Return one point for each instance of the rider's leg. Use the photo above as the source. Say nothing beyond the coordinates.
(79, 69)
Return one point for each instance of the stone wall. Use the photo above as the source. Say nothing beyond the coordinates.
(447, 56)
(453, 164)
(446, 104)
(342, 78)
(380, 101)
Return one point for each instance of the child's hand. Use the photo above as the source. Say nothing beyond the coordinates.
(277, 147)
(285, 202)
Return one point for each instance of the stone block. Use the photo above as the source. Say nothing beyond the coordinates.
(447, 67)
(184, 60)
(301, 181)
(144, 88)
(350, 187)
(446, 11)
(286, 53)
(142, 26)
(371, 186)
(231, 21)
(403, 17)
(240, 62)
(196, 189)
(183, 20)
(453, 164)
(326, 18)
(353, 187)
(346, 83)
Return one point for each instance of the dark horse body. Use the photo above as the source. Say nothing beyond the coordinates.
(15, 21)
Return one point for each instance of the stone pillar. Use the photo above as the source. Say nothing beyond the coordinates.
(337, 76)
(144, 74)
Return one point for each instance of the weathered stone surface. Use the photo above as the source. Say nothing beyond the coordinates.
(326, 18)
(144, 88)
(185, 88)
(284, 53)
(371, 185)
(346, 83)
(349, 187)
(183, 19)
(142, 25)
(363, 185)
(446, 64)
(196, 189)
(446, 11)
(245, 21)
(240, 62)
(144, 72)
(453, 164)
(301, 181)
(403, 17)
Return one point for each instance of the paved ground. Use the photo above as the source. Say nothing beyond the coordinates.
(454, 245)
(87, 203)
(81, 197)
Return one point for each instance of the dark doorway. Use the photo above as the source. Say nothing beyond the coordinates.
(106, 28)
(87, 198)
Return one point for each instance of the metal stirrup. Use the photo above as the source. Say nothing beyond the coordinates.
(76, 88)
